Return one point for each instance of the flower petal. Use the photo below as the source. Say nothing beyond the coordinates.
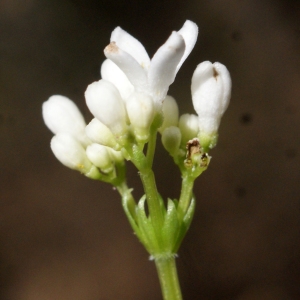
(131, 45)
(112, 73)
(162, 70)
(105, 103)
(189, 32)
(132, 69)
(62, 114)
(224, 75)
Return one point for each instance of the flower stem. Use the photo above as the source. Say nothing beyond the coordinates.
(167, 273)
(186, 193)
(151, 148)
(155, 211)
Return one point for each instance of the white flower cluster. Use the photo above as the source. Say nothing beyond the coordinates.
(73, 144)
(132, 91)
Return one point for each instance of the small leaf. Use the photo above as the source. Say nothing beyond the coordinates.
(130, 213)
(171, 227)
(186, 222)
(146, 227)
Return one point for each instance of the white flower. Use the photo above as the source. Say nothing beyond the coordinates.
(62, 115)
(71, 153)
(152, 77)
(105, 103)
(211, 90)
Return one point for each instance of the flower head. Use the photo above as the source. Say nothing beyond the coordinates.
(133, 86)
(127, 56)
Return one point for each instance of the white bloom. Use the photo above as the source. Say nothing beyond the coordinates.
(152, 77)
(211, 89)
(71, 153)
(101, 134)
(171, 138)
(140, 109)
(62, 115)
(170, 113)
(189, 128)
(105, 103)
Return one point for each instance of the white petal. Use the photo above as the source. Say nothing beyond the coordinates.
(162, 70)
(61, 114)
(105, 103)
(224, 75)
(112, 73)
(131, 45)
(189, 32)
(69, 151)
(132, 69)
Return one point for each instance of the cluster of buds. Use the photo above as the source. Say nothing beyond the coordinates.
(77, 146)
(131, 98)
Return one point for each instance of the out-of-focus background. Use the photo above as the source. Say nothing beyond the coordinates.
(63, 236)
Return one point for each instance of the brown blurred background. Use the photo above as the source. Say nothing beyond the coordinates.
(63, 236)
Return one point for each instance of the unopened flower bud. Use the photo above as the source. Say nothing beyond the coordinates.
(62, 115)
(140, 110)
(170, 113)
(105, 103)
(189, 128)
(100, 156)
(70, 152)
(211, 89)
(101, 134)
(171, 138)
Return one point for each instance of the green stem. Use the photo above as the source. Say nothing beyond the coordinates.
(186, 193)
(167, 273)
(151, 148)
(155, 211)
